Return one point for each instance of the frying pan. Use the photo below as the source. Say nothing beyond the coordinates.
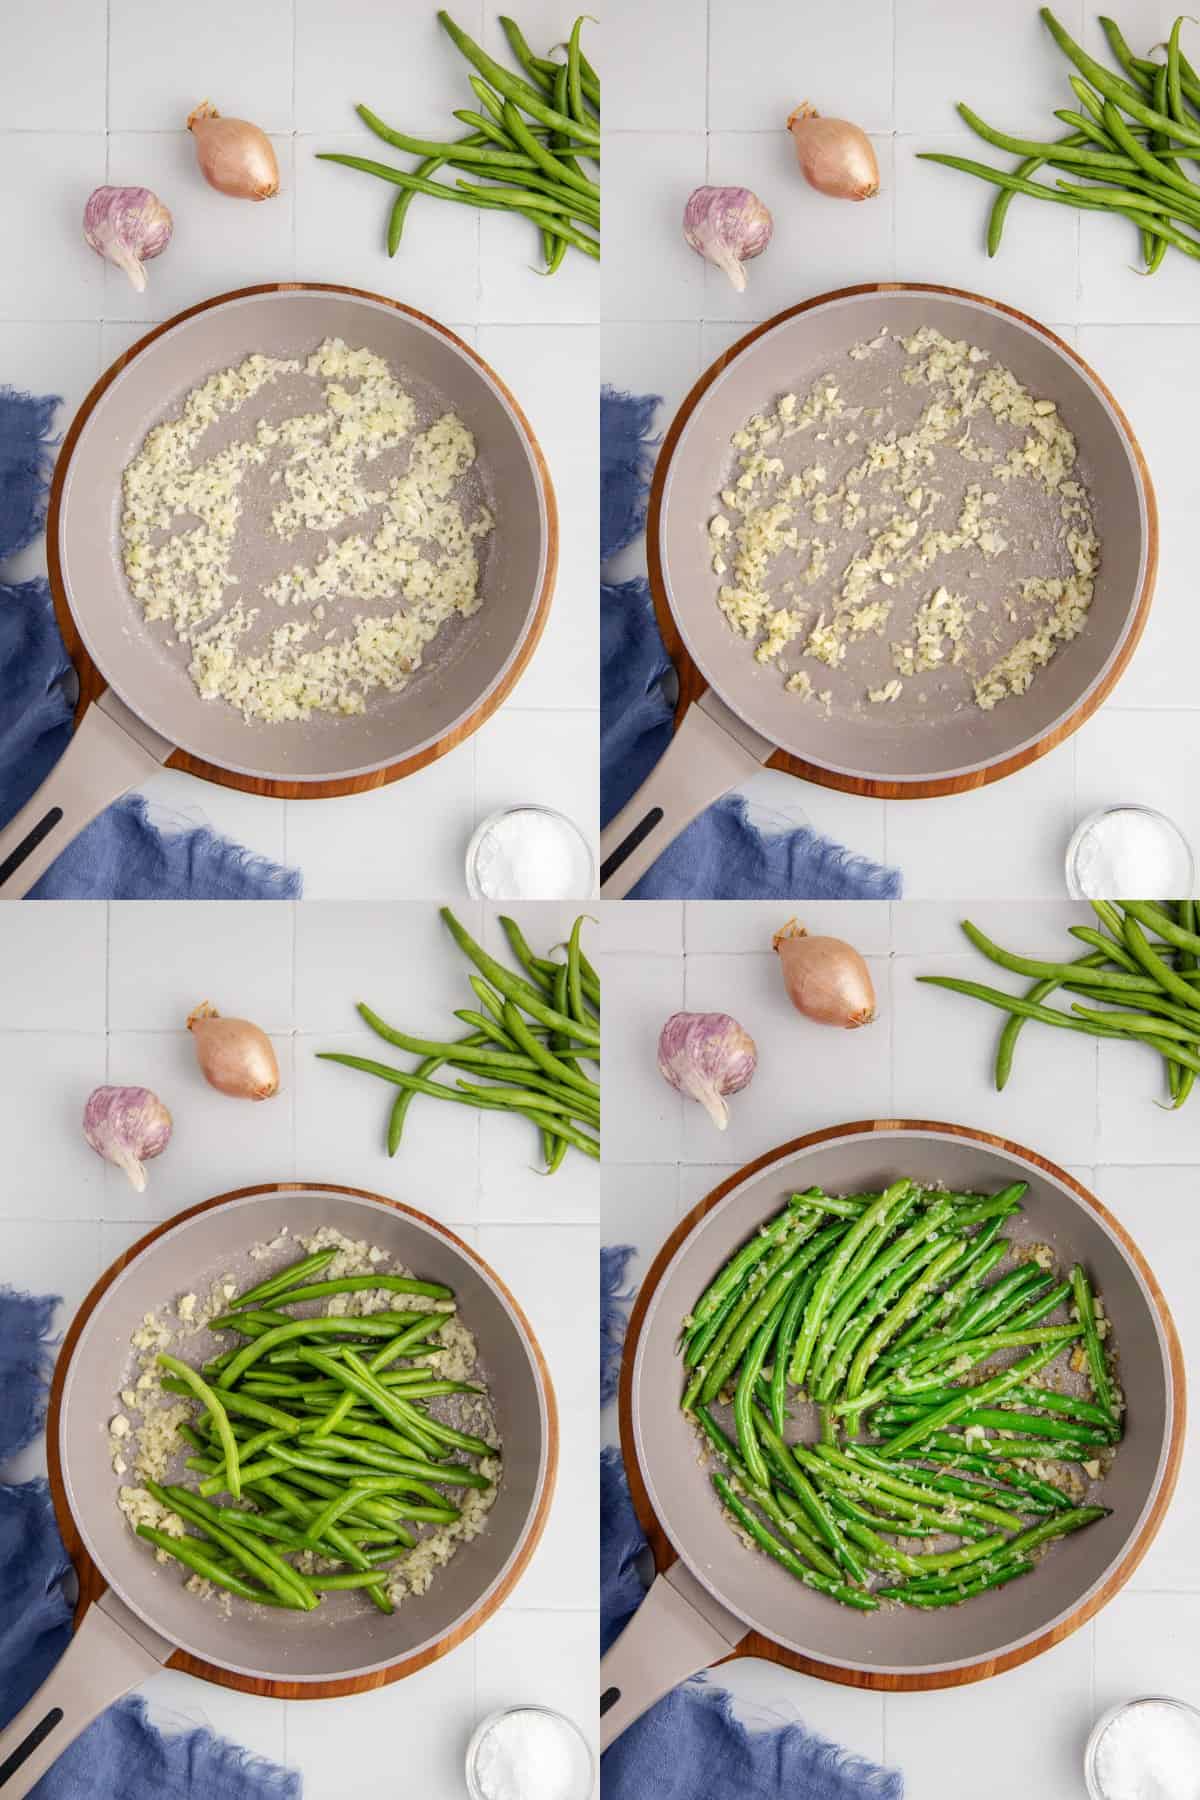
(141, 1615)
(720, 1599)
(735, 713)
(150, 710)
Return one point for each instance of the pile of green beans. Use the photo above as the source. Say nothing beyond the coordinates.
(319, 1431)
(875, 1309)
(1129, 141)
(1140, 974)
(526, 1050)
(524, 151)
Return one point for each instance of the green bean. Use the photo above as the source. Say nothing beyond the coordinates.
(879, 1475)
(521, 993)
(524, 954)
(824, 1290)
(483, 156)
(1014, 183)
(953, 1593)
(767, 1541)
(1004, 198)
(1083, 157)
(1163, 975)
(790, 1260)
(1111, 952)
(785, 1339)
(767, 1501)
(429, 1066)
(1162, 172)
(286, 1278)
(534, 66)
(528, 98)
(1043, 1491)
(981, 1260)
(1132, 65)
(829, 1360)
(908, 1281)
(969, 1400)
(574, 82)
(739, 1265)
(1156, 920)
(786, 1463)
(186, 1551)
(743, 1416)
(208, 1399)
(887, 1327)
(428, 166)
(1097, 1364)
(1121, 93)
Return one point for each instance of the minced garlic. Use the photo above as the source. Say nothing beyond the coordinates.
(903, 476)
(419, 559)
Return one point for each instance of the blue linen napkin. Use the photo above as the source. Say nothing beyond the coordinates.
(122, 855)
(122, 1756)
(690, 1743)
(722, 855)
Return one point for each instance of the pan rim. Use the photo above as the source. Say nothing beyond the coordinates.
(482, 1604)
(532, 622)
(881, 782)
(900, 1677)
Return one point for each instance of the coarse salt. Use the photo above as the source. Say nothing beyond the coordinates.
(530, 853)
(1150, 1751)
(528, 1754)
(1128, 850)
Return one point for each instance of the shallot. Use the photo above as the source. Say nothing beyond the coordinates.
(235, 1057)
(835, 157)
(826, 979)
(235, 157)
(706, 1056)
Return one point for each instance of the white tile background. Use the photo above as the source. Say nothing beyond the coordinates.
(93, 993)
(927, 1056)
(98, 90)
(736, 68)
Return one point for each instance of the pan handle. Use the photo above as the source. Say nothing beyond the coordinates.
(112, 1651)
(111, 752)
(678, 1630)
(712, 752)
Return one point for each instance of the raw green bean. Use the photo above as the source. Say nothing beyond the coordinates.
(574, 83)
(1121, 93)
(1004, 198)
(521, 993)
(528, 98)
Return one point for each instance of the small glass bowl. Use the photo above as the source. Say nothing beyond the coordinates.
(1170, 828)
(585, 1762)
(1095, 1791)
(587, 862)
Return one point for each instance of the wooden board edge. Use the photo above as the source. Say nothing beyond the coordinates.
(755, 1644)
(92, 1583)
(692, 684)
(92, 683)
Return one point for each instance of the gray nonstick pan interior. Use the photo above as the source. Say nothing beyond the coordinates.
(908, 739)
(462, 665)
(345, 1637)
(901, 1641)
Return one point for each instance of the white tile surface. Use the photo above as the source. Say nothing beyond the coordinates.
(236, 53)
(897, 68)
(90, 95)
(95, 993)
(928, 1055)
